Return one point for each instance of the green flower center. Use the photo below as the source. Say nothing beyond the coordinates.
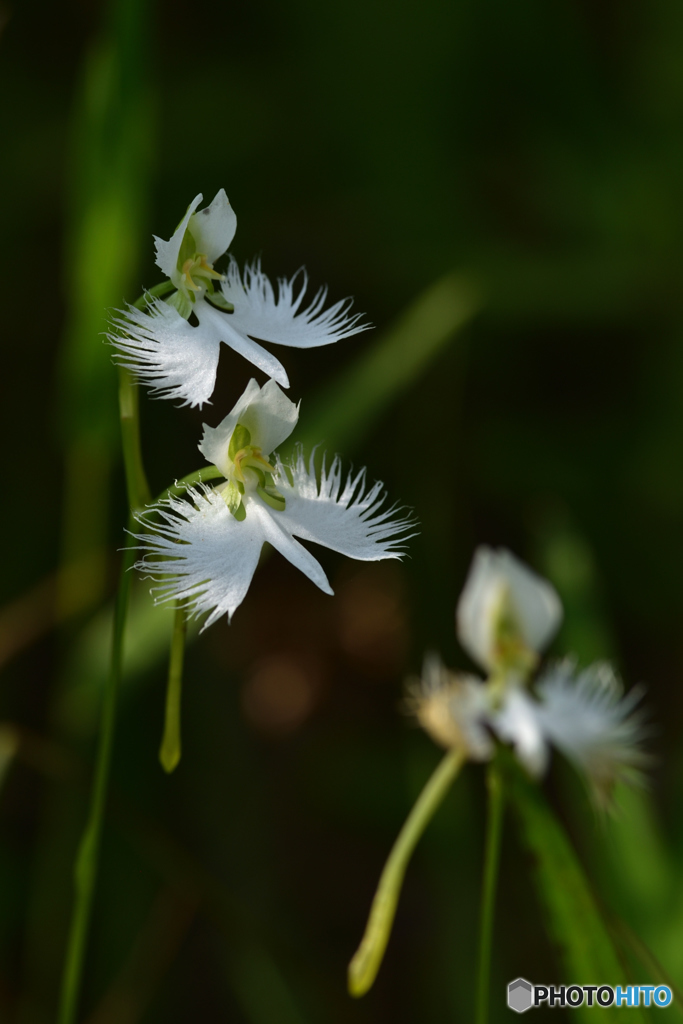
(249, 472)
(197, 278)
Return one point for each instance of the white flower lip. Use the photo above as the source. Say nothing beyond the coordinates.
(178, 360)
(495, 577)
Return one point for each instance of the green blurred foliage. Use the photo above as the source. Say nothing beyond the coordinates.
(534, 153)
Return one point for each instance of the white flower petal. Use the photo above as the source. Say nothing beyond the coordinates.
(260, 314)
(496, 577)
(213, 228)
(587, 717)
(347, 519)
(268, 415)
(201, 553)
(276, 533)
(216, 440)
(227, 330)
(163, 350)
(518, 722)
(167, 252)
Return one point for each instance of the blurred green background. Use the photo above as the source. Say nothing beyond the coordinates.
(499, 187)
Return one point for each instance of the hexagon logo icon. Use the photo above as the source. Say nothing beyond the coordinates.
(520, 995)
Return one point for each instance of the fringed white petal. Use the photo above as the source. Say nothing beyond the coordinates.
(281, 319)
(163, 350)
(178, 360)
(349, 518)
(590, 720)
(200, 553)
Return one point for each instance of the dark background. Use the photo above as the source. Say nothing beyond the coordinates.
(536, 149)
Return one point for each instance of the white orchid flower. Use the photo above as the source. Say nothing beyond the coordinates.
(180, 360)
(506, 614)
(205, 550)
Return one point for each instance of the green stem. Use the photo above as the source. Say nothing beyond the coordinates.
(136, 479)
(85, 873)
(137, 487)
(157, 292)
(169, 754)
(368, 957)
(494, 830)
(197, 477)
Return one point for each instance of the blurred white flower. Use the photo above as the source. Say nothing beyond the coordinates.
(180, 360)
(206, 550)
(453, 709)
(506, 614)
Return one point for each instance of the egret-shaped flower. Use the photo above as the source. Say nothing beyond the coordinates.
(205, 550)
(180, 360)
(506, 615)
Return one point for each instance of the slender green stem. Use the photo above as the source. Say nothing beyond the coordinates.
(169, 754)
(137, 487)
(494, 831)
(136, 479)
(85, 873)
(368, 957)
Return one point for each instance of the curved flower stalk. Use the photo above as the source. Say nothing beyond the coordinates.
(205, 551)
(506, 616)
(179, 360)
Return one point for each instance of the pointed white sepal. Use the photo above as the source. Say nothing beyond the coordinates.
(501, 590)
(268, 415)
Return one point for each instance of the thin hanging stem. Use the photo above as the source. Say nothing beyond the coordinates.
(170, 751)
(85, 874)
(367, 959)
(136, 479)
(494, 831)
